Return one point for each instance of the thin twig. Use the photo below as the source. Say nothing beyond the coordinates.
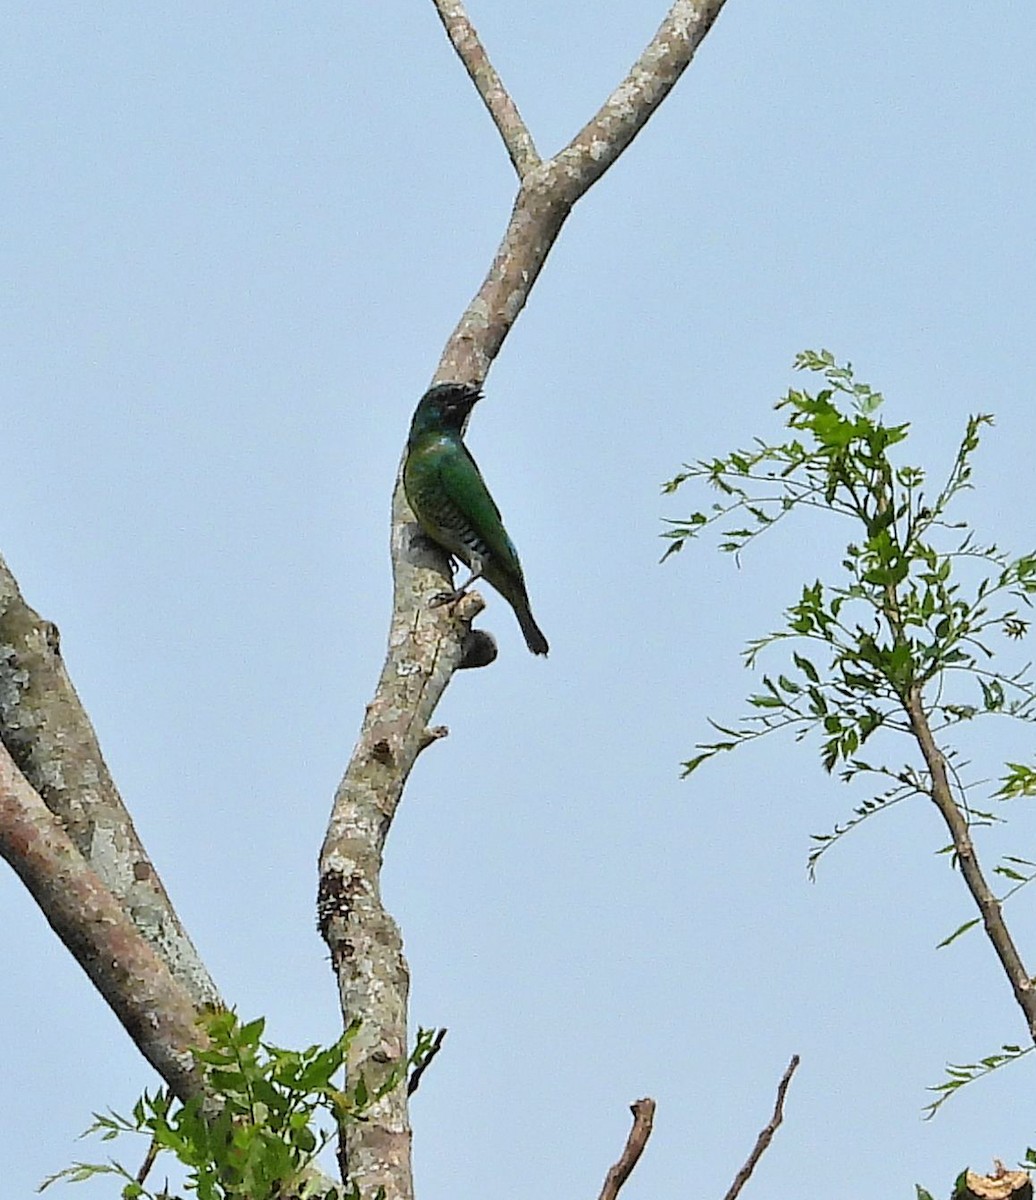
(643, 1118)
(149, 1161)
(766, 1136)
(489, 86)
(415, 1080)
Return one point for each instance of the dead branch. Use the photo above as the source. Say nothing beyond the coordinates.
(766, 1136)
(643, 1118)
(426, 645)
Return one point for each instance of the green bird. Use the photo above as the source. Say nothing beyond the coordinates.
(453, 505)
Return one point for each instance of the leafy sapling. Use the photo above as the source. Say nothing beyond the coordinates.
(910, 641)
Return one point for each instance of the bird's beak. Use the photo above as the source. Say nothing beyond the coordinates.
(472, 395)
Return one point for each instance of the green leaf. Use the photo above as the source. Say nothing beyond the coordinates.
(692, 764)
(957, 933)
(249, 1035)
(806, 667)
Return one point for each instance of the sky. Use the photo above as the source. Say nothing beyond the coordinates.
(233, 241)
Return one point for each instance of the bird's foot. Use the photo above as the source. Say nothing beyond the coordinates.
(446, 598)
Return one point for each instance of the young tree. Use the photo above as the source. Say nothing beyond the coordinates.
(907, 647)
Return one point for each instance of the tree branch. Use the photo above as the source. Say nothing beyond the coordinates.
(154, 1008)
(495, 97)
(549, 191)
(67, 835)
(988, 905)
(426, 645)
(643, 1118)
(629, 108)
(766, 1135)
(49, 736)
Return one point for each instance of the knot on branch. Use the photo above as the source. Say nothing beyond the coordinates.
(381, 751)
(334, 902)
(433, 733)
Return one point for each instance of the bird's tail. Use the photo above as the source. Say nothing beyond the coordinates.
(534, 638)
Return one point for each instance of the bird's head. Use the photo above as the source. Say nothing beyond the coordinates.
(445, 407)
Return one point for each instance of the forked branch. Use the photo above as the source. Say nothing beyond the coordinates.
(426, 644)
(550, 189)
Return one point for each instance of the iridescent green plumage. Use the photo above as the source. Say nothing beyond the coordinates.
(453, 505)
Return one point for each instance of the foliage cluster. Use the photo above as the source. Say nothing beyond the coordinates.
(256, 1129)
(924, 605)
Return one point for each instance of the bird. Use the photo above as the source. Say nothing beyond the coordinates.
(453, 506)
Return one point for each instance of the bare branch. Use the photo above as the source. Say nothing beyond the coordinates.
(154, 1008)
(643, 1118)
(487, 83)
(629, 108)
(149, 1161)
(766, 1136)
(549, 191)
(50, 737)
(426, 645)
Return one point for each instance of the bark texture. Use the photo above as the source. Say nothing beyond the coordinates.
(643, 1119)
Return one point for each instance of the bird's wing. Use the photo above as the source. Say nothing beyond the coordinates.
(464, 488)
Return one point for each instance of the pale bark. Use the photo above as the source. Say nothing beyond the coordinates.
(46, 730)
(512, 129)
(155, 1008)
(426, 645)
(549, 189)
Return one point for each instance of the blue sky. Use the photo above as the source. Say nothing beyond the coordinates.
(233, 244)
